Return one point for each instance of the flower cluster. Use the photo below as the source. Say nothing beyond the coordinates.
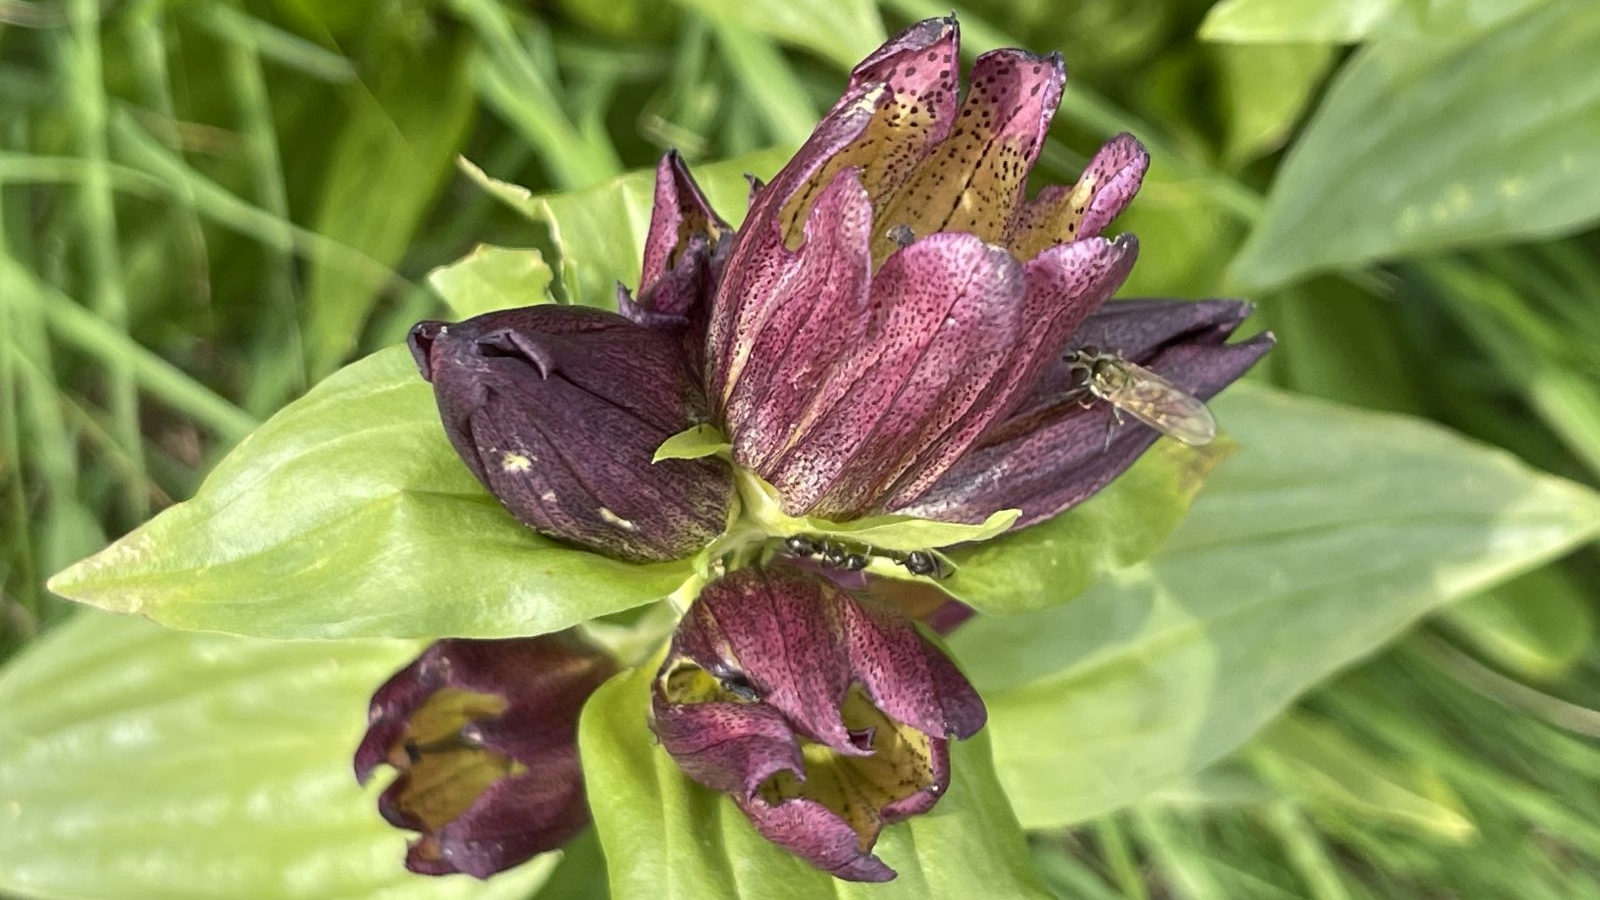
(892, 330)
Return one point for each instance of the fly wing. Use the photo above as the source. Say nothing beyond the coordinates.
(1165, 407)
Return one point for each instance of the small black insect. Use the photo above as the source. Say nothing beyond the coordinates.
(922, 562)
(854, 559)
(800, 545)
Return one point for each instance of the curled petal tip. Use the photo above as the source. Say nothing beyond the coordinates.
(420, 341)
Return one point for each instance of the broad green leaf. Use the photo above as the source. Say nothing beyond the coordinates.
(1328, 534)
(491, 278)
(139, 763)
(1262, 90)
(1348, 21)
(1050, 563)
(392, 157)
(842, 31)
(1420, 147)
(1540, 624)
(667, 838)
(349, 515)
(600, 231)
(1312, 761)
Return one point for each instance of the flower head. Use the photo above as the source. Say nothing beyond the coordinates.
(892, 294)
(559, 410)
(484, 736)
(824, 715)
(892, 330)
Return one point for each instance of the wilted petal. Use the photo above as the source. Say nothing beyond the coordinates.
(1060, 214)
(769, 662)
(682, 251)
(559, 410)
(1050, 455)
(484, 736)
(973, 180)
(945, 315)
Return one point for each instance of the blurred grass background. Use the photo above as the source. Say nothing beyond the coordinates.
(207, 207)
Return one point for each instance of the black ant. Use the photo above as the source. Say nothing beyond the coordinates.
(841, 556)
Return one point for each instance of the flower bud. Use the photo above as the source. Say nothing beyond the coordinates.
(558, 410)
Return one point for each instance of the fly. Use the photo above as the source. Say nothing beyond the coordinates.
(1131, 388)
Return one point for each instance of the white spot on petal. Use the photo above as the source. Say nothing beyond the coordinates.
(515, 462)
(612, 518)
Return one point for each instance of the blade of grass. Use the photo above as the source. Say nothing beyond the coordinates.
(226, 208)
(87, 106)
(1119, 856)
(769, 81)
(512, 83)
(1167, 847)
(239, 28)
(91, 334)
(277, 355)
(1521, 346)
(147, 37)
(1306, 852)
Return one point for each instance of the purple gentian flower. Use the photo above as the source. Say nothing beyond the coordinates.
(770, 661)
(484, 735)
(889, 331)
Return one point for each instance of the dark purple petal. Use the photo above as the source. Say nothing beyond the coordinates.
(558, 410)
(1050, 455)
(1061, 214)
(729, 745)
(769, 660)
(484, 737)
(683, 256)
(945, 315)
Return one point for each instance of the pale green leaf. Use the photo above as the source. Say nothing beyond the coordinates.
(349, 515)
(491, 278)
(1050, 563)
(695, 442)
(1348, 21)
(1262, 91)
(1420, 147)
(762, 504)
(600, 231)
(139, 763)
(1326, 536)
(667, 838)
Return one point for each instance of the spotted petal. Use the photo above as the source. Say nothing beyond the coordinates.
(824, 716)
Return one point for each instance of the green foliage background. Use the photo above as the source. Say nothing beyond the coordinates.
(206, 208)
